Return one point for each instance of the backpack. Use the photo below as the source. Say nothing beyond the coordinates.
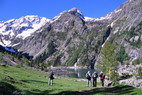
(51, 76)
(103, 76)
(88, 76)
(95, 75)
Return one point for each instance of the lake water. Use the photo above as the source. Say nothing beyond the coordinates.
(74, 73)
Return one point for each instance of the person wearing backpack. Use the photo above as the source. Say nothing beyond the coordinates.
(102, 78)
(50, 79)
(88, 76)
(95, 76)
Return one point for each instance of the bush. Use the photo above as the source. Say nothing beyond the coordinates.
(125, 76)
(108, 57)
(122, 55)
(1, 58)
(137, 62)
(61, 35)
(139, 73)
(75, 54)
(134, 31)
(115, 77)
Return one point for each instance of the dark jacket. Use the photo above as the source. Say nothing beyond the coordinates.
(51, 76)
(94, 75)
(88, 76)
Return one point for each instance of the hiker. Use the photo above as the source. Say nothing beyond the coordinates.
(95, 76)
(102, 78)
(109, 83)
(88, 76)
(50, 79)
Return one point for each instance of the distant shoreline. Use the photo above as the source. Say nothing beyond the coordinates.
(68, 67)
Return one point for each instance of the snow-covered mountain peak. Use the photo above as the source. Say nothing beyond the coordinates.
(89, 19)
(20, 28)
(9, 21)
(107, 17)
(32, 19)
(58, 16)
(73, 11)
(76, 12)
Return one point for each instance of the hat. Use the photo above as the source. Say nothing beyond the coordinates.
(95, 72)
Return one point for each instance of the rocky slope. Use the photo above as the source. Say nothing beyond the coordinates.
(122, 50)
(70, 38)
(12, 31)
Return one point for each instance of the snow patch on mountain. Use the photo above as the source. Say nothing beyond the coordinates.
(76, 12)
(107, 17)
(97, 19)
(89, 19)
(117, 11)
(5, 42)
(73, 11)
(35, 26)
(20, 28)
(57, 17)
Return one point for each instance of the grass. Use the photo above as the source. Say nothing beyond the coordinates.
(28, 82)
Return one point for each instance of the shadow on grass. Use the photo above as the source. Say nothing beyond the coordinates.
(37, 92)
(8, 89)
(29, 81)
(118, 90)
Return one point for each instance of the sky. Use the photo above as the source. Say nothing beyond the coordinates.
(14, 9)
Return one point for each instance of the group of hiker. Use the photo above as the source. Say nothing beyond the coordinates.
(92, 79)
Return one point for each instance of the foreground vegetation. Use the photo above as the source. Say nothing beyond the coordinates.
(28, 82)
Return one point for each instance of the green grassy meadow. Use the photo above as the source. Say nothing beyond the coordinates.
(28, 82)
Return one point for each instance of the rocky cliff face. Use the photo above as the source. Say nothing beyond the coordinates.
(12, 32)
(126, 28)
(113, 42)
(121, 52)
(72, 39)
(69, 39)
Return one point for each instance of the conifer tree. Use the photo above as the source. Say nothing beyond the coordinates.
(1, 58)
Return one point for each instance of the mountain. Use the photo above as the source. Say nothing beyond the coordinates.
(14, 30)
(121, 52)
(68, 39)
(126, 29)
(111, 42)
(72, 38)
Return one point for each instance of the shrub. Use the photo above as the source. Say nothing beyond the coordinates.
(61, 35)
(139, 73)
(137, 62)
(115, 77)
(74, 55)
(125, 76)
(122, 55)
(134, 31)
(108, 57)
(1, 58)
(57, 61)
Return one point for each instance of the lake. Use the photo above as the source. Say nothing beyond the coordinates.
(73, 72)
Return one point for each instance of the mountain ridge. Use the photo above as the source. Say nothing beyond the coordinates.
(72, 19)
(70, 39)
